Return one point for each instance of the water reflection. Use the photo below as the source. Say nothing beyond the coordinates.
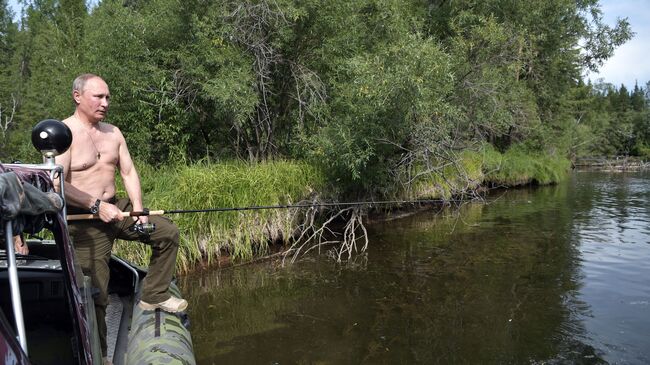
(548, 275)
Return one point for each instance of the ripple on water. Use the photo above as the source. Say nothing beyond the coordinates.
(612, 237)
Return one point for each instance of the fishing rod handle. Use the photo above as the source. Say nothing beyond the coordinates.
(89, 216)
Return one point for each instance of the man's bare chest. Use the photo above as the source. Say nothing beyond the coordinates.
(87, 152)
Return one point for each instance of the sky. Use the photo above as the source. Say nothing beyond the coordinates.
(628, 65)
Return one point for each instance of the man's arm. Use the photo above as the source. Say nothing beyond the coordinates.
(130, 177)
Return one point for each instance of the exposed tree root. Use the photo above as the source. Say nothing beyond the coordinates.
(315, 236)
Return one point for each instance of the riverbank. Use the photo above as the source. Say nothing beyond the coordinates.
(612, 164)
(244, 235)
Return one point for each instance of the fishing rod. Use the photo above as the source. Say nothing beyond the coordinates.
(147, 212)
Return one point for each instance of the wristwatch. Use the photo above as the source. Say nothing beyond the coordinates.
(95, 208)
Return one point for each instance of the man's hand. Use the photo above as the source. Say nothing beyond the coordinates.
(19, 246)
(109, 213)
(141, 219)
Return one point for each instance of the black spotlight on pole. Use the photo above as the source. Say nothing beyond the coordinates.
(51, 137)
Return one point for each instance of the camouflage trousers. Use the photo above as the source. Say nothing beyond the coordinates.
(93, 242)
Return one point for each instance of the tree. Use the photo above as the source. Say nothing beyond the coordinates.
(637, 98)
(7, 28)
(52, 58)
(8, 34)
(146, 59)
(8, 96)
(550, 43)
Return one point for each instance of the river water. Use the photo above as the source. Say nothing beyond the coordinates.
(554, 275)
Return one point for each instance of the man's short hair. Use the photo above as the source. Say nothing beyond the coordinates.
(80, 82)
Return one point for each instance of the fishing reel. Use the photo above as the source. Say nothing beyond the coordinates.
(144, 230)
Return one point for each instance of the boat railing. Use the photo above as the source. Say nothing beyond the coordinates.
(14, 286)
(55, 172)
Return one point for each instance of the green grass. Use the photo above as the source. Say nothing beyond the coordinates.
(518, 167)
(458, 175)
(242, 234)
(470, 169)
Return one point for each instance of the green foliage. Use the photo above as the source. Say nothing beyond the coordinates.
(459, 176)
(496, 106)
(643, 150)
(519, 166)
(136, 56)
(611, 122)
(8, 34)
(381, 100)
(8, 98)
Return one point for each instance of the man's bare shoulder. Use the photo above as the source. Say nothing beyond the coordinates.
(107, 127)
(110, 130)
(74, 125)
(69, 121)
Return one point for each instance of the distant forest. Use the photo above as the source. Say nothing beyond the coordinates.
(362, 88)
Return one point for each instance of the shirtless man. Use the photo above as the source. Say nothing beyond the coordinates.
(98, 149)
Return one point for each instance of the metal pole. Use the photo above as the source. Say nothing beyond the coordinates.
(50, 163)
(15, 287)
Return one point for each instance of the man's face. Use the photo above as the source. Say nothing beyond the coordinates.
(93, 100)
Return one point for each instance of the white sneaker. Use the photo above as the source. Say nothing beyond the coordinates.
(171, 305)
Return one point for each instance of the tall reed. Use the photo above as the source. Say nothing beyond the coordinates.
(204, 236)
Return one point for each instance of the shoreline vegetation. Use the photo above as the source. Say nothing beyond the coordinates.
(243, 236)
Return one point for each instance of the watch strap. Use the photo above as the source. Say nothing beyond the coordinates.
(95, 208)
